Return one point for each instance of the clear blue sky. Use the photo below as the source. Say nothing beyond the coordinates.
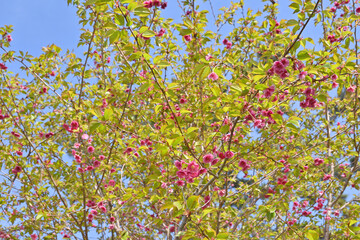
(38, 23)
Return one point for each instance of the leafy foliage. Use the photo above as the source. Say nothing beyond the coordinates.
(169, 129)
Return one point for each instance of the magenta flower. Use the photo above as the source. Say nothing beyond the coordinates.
(327, 177)
(215, 161)
(192, 169)
(181, 174)
(221, 155)
(97, 163)
(112, 182)
(161, 33)
(318, 161)
(229, 154)
(74, 125)
(2, 66)
(90, 149)
(187, 38)
(178, 164)
(351, 89)
(213, 76)
(148, 4)
(9, 38)
(202, 171)
(163, 5)
(208, 158)
(180, 183)
(17, 169)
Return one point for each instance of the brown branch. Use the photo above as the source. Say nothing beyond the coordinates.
(302, 29)
(86, 60)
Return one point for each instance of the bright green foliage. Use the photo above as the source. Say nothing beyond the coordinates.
(151, 99)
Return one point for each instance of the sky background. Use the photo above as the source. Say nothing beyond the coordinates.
(39, 23)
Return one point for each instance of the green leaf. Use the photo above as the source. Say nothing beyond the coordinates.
(322, 98)
(245, 92)
(148, 33)
(294, 6)
(108, 114)
(277, 117)
(119, 19)
(312, 235)
(178, 205)
(188, 23)
(354, 229)
(210, 232)
(90, 2)
(192, 202)
(352, 222)
(261, 87)
(292, 22)
(235, 88)
(142, 11)
(40, 215)
(167, 205)
(258, 71)
(163, 64)
(222, 236)
(114, 37)
(184, 32)
(270, 215)
(94, 126)
(177, 141)
(216, 91)
(224, 129)
(191, 129)
(303, 55)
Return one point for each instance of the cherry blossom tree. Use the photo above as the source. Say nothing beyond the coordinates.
(176, 128)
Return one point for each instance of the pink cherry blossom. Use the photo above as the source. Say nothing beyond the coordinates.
(213, 76)
(90, 149)
(85, 136)
(208, 158)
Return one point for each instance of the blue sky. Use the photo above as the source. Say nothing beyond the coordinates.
(39, 23)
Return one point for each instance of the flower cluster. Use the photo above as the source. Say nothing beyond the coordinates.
(74, 125)
(161, 32)
(16, 170)
(3, 116)
(227, 43)
(270, 191)
(188, 171)
(9, 38)
(155, 3)
(333, 39)
(2, 66)
(279, 68)
(213, 76)
(309, 101)
(261, 117)
(245, 165)
(318, 161)
(269, 91)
